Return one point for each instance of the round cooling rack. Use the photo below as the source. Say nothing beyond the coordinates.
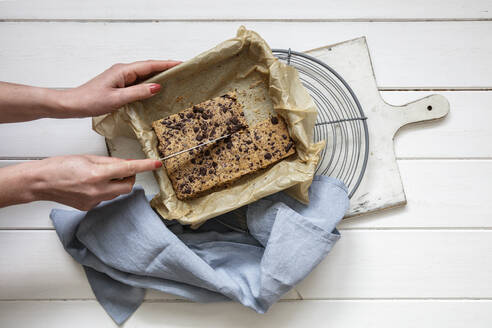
(341, 120)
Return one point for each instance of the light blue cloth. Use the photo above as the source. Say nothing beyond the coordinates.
(125, 248)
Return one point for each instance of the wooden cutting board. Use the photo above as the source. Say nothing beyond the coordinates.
(381, 186)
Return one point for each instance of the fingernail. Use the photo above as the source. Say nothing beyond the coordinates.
(155, 88)
(158, 164)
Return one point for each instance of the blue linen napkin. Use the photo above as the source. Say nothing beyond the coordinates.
(125, 248)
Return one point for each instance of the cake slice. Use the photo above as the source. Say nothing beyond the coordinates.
(219, 164)
(200, 123)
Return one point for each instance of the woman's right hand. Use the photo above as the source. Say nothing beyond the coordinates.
(83, 181)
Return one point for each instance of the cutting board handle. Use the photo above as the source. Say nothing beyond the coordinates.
(430, 108)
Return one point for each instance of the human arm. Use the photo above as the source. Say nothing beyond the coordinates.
(103, 94)
(80, 181)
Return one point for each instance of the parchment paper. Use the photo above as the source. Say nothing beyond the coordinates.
(264, 86)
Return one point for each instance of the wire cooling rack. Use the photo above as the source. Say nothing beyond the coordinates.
(341, 120)
(341, 123)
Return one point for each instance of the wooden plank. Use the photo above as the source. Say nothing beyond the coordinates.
(235, 9)
(50, 137)
(319, 313)
(405, 54)
(459, 135)
(440, 193)
(364, 264)
(405, 264)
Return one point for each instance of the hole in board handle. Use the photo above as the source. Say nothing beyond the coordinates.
(429, 108)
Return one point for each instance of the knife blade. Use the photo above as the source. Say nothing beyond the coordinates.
(195, 147)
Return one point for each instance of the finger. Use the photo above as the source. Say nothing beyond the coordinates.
(103, 159)
(129, 168)
(140, 69)
(136, 92)
(119, 187)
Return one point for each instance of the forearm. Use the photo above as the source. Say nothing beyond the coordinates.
(18, 184)
(20, 103)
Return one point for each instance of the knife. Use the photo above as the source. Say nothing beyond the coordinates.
(195, 147)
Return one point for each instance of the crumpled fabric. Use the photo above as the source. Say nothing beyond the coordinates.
(125, 248)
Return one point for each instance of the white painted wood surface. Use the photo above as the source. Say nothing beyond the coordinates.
(441, 194)
(460, 135)
(425, 265)
(237, 10)
(405, 54)
(307, 313)
(389, 264)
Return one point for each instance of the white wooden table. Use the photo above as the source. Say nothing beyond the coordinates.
(428, 264)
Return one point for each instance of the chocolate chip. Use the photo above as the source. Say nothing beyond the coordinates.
(216, 124)
(207, 152)
(193, 161)
(284, 136)
(195, 129)
(214, 164)
(242, 114)
(191, 179)
(229, 145)
(181, 115)
(204, 126)
(205, 116)
(289, 146)
(234, 120)
(203, 171)
(228, 97)
(249, 142)
(197, 109)
(187, 190)
(211, 171)
(190, 115)
(199, 137)
(268, 156)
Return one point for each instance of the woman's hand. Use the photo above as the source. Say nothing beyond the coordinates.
(114, 88)
(103, 94)
(78, 181)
